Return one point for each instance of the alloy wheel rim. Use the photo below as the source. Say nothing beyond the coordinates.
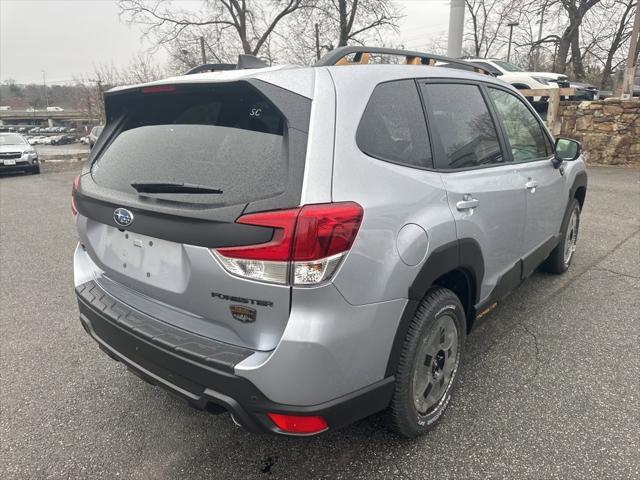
(436, 365)
(571, 237)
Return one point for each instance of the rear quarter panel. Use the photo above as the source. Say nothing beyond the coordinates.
(392, 196)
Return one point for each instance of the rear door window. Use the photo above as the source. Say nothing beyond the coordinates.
(225, 137)
(393, 126)
(464, 126)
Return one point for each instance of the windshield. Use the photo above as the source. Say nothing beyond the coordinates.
(509, 67)
(224, 138)
(11, 139)
(96, 131)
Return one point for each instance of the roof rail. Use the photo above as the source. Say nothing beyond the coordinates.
(244, 62)
(362, 55)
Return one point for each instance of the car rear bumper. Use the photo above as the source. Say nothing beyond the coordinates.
(201, 371)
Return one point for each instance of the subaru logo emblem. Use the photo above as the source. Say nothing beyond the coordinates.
(123, 217)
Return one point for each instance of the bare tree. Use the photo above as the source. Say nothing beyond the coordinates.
(143, 69)
(333, 23)
(356, 17)
(436, 45)
(91, 88)
(575, 11)
(229, 26)
(606, 33)
(486, 22)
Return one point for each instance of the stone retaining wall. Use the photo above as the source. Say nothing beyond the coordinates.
(608, 129)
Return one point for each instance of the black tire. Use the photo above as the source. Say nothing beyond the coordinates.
(557, 261)
(404, 417)
(35, 170)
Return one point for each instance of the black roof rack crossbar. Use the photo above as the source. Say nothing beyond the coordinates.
(338, 57)
(244, 62)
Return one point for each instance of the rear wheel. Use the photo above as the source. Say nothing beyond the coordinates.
(428, 365)
(561, 256)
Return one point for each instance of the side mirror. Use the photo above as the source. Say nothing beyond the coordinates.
(566, 150)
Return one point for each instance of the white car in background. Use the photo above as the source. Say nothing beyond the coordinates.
(521, 79)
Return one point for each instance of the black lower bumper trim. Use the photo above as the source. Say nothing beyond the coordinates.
(208, 388)
(18, 167)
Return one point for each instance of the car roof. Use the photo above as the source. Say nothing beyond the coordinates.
(478, 59)
(13, 133)
(301, 80)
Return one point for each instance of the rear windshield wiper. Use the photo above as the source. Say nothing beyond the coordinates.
(172, 187)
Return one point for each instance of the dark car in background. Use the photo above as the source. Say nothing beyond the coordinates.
(584, 91)
(63, 139)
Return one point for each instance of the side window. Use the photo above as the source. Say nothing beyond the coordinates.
(393, 127)
(464, 126)
(524, 132)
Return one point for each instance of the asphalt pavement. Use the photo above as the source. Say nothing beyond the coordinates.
(549, 388)
(71, 149)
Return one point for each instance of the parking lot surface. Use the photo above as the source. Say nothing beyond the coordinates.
(549, 387)
(79, 149)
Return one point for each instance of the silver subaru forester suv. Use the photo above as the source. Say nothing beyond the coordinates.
(305, 246)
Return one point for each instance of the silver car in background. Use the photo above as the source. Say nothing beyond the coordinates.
(16, 154)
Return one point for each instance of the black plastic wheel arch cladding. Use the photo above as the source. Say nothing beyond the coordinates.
(579, 182)
(463, 254)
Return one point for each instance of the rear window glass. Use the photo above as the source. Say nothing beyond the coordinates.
(229, 138)
(393, 126)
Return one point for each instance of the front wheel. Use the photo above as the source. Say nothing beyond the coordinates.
(428, 365)
(561, 256)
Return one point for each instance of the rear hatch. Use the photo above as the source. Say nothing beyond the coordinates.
(174, 168)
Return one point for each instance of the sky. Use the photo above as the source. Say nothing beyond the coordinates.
(66, 38)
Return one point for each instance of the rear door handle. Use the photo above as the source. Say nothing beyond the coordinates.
(531, 185)
(467, 203)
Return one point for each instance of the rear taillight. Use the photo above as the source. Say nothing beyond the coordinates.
(306, 248)
(74, 189)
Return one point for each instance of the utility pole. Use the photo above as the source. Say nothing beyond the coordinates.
(632, 58)
(537, 65)
(456, 28)
(202, 51)
(44, 87)
(100, 105)
(510, 25)
(317, 42)
(103, 113)
(90, 113)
